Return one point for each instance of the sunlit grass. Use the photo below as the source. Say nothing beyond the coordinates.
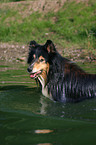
(72, 26)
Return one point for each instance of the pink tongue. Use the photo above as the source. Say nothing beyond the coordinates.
(33, 75)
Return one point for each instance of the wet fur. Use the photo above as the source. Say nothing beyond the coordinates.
(64, 81)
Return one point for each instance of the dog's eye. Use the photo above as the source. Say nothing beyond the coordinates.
(41, 60)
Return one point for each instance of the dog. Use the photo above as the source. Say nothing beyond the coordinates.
(60, 79)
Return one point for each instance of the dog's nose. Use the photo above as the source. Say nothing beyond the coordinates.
(29, 70)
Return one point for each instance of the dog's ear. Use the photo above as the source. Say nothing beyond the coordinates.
(32, 43)
(32, 49)
(49, 46)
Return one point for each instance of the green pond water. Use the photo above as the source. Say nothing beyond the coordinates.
(24, 111)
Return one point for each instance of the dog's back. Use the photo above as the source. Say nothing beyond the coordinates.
(68, 82)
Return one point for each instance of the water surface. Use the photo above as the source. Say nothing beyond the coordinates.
(24, 111)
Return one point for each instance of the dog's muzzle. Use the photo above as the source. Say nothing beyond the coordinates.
(29, 70)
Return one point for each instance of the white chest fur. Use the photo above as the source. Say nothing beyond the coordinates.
(44, 88)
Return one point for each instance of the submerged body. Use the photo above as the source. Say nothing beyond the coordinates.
(60, 79)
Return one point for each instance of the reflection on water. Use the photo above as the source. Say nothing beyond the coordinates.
(43, 131)
(27, 117)
(85, 110)
(29, 100)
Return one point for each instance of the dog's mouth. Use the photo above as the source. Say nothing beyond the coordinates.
(36, 74)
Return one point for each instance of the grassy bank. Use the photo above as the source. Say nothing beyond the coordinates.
(74, 25)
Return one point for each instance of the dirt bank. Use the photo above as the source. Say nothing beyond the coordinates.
(17, 53)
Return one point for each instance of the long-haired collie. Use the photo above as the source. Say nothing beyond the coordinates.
(60, 79)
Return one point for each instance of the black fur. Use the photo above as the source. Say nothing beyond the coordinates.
(65, 80)
(32, 50)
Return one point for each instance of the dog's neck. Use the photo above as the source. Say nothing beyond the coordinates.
(43, 76)
(43, 79)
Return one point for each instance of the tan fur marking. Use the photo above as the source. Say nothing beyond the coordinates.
(41, 66)
(45, 72)
(44, 68)
(41, 57)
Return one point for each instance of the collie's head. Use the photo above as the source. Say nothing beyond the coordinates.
(39, 58)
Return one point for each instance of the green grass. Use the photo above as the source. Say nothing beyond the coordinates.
(74, 25)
